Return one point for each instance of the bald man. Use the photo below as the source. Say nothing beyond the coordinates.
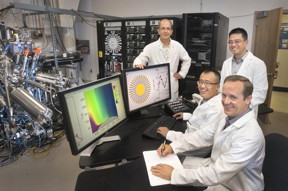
(166, 50)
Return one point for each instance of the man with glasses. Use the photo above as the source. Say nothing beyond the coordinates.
(209, 110)
(244, 63)
(166, 50)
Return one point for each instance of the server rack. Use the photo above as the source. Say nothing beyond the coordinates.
(110, 49)
(136, 39)
(121, 41)
(205, 39)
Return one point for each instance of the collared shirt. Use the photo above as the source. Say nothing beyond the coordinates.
(153, 55)
(166, 50)
(204, 115)
(236, 159)
(255, 70)
(203, 101)
(234, 119)
(237, 64)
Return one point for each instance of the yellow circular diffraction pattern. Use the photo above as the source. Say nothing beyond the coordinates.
(139, 89)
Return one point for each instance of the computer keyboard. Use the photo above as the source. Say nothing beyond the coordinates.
(162, 121)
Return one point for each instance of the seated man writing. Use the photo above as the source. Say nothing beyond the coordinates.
(238, 146)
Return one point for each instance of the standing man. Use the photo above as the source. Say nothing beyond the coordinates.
(244, 63)
(166, 50)
(238, 146)
(209, 108)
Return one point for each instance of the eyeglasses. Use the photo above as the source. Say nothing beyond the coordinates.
(238, 41)
(163, 28)
(207, 83)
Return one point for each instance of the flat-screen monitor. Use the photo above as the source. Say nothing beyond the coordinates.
(146, 87)
(91, 110)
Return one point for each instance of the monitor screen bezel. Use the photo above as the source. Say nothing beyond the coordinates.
(125, 87)
(67, 120)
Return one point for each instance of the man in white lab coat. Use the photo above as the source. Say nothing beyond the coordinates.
(244, 63)
(166, 50)
(208, 110)
(238, 146)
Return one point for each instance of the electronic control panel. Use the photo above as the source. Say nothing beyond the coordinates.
(176, 107)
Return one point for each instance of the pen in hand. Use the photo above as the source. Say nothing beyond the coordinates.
(163, 147)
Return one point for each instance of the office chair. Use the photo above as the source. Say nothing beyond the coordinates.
(275, 166)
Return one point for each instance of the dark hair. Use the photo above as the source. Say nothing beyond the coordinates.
(215, 72)
(239, 31)
(248, 86)
(167, 20)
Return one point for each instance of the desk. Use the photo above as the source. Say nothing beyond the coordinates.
(131, 176)
(132, 142)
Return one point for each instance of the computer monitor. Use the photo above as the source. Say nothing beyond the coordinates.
(91, 110)
(146, 87)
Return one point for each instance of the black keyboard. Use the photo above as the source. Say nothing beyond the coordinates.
(162, 121)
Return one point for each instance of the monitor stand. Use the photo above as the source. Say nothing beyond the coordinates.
(87, 152)
(150, 112)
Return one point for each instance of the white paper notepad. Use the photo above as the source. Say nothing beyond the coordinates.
(152, 158)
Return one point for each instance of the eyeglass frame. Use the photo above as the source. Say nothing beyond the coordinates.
(237, 41)
(165, 28)
(207, 83)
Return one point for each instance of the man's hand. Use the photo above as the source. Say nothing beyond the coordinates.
(178, 115)
(177, 76)
(163, 131)
(163, 171)
(167, 150)
(140, 66)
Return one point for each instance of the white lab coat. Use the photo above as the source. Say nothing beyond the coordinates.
(236, 159)
(153, 54)
(255, 70)
(202, 116)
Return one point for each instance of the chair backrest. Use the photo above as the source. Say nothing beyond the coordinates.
(275, 166)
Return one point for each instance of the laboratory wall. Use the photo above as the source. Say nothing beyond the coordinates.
(86, 30)
(241, 14)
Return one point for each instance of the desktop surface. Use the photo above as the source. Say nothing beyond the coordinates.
(130, 176)
(131, 145)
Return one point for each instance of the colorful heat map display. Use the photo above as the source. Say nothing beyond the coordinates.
(100, 105)
(91, 111)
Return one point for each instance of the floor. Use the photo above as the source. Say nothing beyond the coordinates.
(56, 172)
(279, 101)
(59, 169)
